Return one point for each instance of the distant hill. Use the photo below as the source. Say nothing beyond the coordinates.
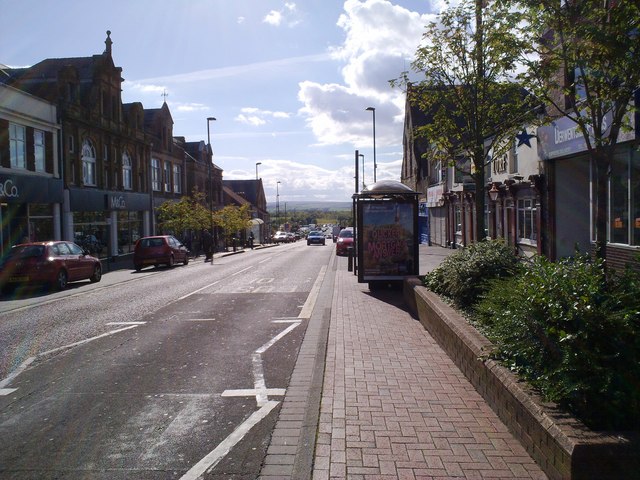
(312, 205)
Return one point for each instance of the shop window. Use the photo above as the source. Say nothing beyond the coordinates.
(88, 163)
(40, 222)
(39, 150)
(129, 230)
(177, 178)
(91, 232)
(17, 146)
(527, 226)
(624, 199)
(127, 172)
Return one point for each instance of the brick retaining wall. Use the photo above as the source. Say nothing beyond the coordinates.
(562, 446)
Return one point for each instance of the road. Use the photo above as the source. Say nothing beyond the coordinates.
(163, 373)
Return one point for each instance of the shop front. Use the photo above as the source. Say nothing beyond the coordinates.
(29, 209)
(107, 223)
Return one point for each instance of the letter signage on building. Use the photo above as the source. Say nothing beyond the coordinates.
(116, 202)
(8, 189)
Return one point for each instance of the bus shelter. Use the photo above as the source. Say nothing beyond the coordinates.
(386, 232)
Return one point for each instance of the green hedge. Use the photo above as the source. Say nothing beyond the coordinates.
(572, 333)
(463, 276)
(567, 328)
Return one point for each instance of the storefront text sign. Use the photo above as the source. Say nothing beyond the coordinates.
(117, 202)
(8, 189)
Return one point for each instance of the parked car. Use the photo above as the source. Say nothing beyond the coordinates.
(159, 250)
(315, 237)
(344, 243)
(54, 263)
(281, 237)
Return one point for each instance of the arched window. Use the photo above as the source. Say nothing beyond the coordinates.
(127, 171)
(88, 162)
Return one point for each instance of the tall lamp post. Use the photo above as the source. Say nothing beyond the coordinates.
(209, 162)
(362, 157)
(257, 163)
(277, 205)
(375, 165)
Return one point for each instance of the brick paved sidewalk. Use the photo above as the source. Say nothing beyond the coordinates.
(394, 405)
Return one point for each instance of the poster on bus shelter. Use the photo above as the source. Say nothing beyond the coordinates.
(387, 240)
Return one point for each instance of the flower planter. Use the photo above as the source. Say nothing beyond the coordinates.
(563, 446)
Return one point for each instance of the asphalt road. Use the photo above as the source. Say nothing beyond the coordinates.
(165, 373)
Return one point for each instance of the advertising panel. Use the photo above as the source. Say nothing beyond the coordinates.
(387, 237)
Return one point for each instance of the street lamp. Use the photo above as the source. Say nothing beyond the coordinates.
(210, 161)
(362, 157)
(375, 165)
(278, 205)
(257, 163)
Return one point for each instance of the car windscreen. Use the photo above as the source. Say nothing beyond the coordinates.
(346, 234)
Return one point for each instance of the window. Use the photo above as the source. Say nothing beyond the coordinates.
(167, 176)
(39, 150)
(88, 163)
(17, 146)
(458, 218)
(127, 172)
(72, 147)
(624, 199)
(155, 174)
(177, 178)
(527, 225)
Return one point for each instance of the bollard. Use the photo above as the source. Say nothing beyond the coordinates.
(350, 263)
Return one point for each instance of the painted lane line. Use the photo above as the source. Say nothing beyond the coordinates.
(196, 291)
(126, 323)
(266, 346)
(14, 374)
(289, 320)
(199, 319)
(249, 392)
(86, 340)
(241, 271)
(30, 360)
(265, 260)
(258, 380)
(217, 454)
(307, 309)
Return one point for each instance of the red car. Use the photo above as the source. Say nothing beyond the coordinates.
(159, 250)
(54, 263)
(344, 243)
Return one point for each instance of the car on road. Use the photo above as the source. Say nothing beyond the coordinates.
(159, 250)
(344, 243)
(53, 263)
(316, 238)
(281, 237)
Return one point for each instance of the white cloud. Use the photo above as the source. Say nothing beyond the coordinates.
(273, 18)
(288, 15)
(241, 20)
(380, 40)
(256, 117)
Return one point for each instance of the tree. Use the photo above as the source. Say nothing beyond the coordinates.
(189, 213)
(583, 60)
(232, 219)
(469, 62)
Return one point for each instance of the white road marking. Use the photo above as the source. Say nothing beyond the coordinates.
(30, 360)
(252, 392)
(126, 323)
(241, 271)
(307, 309)
(264, 348)
(6, 391)
(196, 291)
(217, 454)
(198, 319)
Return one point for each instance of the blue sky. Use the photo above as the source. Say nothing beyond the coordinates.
(288, 81)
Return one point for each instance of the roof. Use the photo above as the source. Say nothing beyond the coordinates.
(234, 197)
(249, 188)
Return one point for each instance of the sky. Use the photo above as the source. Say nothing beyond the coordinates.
(288, 82)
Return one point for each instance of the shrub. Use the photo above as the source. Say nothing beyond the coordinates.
(464, 275)
(572, 333)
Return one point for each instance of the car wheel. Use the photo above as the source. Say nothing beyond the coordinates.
(97, 274)
(61, 280)
(137, 267)
(171, 261)
(186, 260)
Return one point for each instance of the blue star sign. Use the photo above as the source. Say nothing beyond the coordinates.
(524, 138)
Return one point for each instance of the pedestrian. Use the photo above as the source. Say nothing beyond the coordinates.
(251, 238)
(207, 245)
